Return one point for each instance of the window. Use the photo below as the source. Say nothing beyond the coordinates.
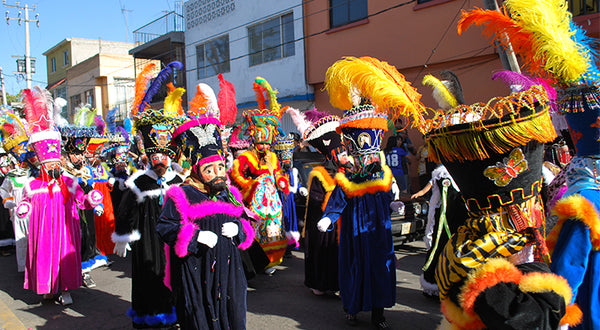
(271, 40)
(89, 97)
(124, 88)
(53, 64)
(75, 103)
(66, 57)
(212, 57)
(584, 7)
(342, 12)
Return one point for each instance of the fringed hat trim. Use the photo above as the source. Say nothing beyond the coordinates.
(573, 99)
(513, 121)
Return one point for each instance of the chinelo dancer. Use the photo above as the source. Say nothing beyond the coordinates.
(152, 302)
(53, 262)
(203, 222)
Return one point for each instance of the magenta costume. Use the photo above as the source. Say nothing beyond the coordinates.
(53, 261)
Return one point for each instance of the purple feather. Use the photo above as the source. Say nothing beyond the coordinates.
(314, 115)
(123, 132)
(100, 125)
(161, 78)
(512, 78)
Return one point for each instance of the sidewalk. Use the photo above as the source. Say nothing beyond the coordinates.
(280, 301)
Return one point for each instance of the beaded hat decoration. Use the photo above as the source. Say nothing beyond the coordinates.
(156, 126)
(263, 124)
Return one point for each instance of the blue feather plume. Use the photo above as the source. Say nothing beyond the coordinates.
(111, 120)
(161, 78)
(590, 46)
(127, 125)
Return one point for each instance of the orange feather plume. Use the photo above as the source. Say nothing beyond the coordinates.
(499, 26)
(260, 96)
(141, 83)
(199, 103)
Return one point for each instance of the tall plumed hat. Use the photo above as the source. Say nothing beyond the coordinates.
(200, 138)
(76, 137)
(369, 91)
(318, 129)
(39, 112)
(552, 46)
(156, 126)
(263, 124)
(117, 148)
(15, 137)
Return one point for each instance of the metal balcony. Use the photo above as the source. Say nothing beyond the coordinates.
(169, 22)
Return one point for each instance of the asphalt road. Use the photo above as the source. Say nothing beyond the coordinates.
(280, 301)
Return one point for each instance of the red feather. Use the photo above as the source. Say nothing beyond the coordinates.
(260, 96)
(36, 111)
(9, 129)
(226, 101)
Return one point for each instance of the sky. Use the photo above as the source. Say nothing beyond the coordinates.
(60, 19)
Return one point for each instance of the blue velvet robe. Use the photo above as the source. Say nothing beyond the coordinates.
(367, 273)
(575, 258)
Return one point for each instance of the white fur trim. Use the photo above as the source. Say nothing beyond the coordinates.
(140, 196)
(321, 130)
(44, 135)
(429, 288)
(131, 237)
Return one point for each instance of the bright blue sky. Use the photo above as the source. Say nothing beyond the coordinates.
(60, 19)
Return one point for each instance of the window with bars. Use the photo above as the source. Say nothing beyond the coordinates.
(342, 12)
(212, 57)
(125, 90)
(271, 40)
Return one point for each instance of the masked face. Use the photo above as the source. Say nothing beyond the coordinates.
(160, 163)
(262, 148)
(53, 169)
(340, 157)
(212, 175)
(76, 160)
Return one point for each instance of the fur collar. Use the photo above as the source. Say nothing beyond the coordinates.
(575, 207)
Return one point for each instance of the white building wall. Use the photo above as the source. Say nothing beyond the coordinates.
(287, 75)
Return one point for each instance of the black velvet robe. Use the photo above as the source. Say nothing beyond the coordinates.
(321, 249)
(151, 300)
(208, 283)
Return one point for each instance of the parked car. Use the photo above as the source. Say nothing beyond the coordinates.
(409, 218)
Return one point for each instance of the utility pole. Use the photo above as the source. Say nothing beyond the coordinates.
(26, 20)
(3, 89)
(507, 56)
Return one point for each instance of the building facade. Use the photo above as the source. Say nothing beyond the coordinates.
(246, 39)
(68, 60)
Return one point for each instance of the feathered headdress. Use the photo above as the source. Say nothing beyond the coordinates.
(173, 101)
(140, 104)
(379, 82)
(14, 136)
(264, 116)
(261, 85)
(204, 103)
(542, 33)
(227, 103)
(448, 91)
(39, 112)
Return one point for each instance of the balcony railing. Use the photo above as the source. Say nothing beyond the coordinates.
(584, 7)
(169, 22)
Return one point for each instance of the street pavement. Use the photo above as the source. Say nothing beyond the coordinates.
(280, 301)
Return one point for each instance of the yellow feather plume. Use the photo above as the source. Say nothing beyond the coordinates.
(549, 21)
(441, 91)
(379, 81)
(173, 101)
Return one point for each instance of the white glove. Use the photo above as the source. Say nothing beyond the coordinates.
(9, 204)
(23, 209)
(395, 190)
(282, 184)
(323, 224)
(303, 191)
(230, 229)
(207, 238)
(121, 249)
(98, 210)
